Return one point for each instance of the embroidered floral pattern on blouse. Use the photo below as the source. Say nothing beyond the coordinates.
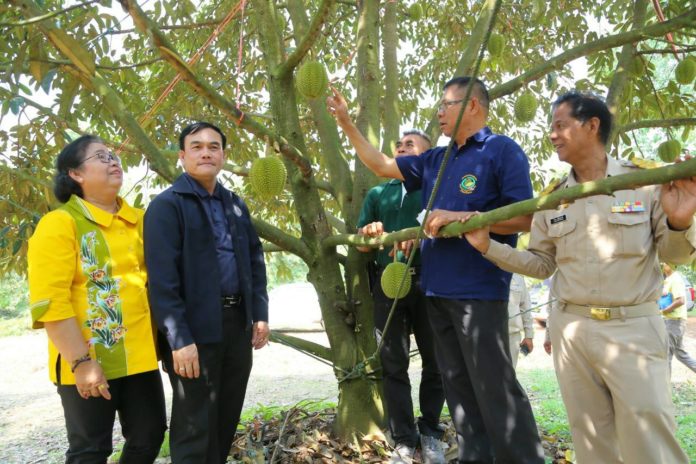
(104, 316)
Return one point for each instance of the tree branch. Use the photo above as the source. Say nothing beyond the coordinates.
(340, 184)
(308, 41)
(620, 80)
(665, 51)
(150, 29)
(654, 30)
(336, 223)
(172, 27)
(283, 240)
(606, 186)
(85, 71)
(648, 123)
(301, 344)
(46, 16)
(468, 59)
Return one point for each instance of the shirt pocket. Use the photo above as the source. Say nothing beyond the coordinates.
(632, 232)
(561, 233)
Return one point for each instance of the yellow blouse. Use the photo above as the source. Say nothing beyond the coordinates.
(87, 263)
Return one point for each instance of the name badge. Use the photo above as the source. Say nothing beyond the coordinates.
(628, 207)
(558, 219)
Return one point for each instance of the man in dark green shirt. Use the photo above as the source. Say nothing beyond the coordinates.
(388, 207)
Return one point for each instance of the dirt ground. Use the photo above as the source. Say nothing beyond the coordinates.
(31, 423)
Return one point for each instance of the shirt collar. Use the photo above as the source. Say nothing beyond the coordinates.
(101, 217)
(613, 169)
(479, 137)
(200, 191)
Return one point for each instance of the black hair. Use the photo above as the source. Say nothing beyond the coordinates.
(585, 106)
(71, 157)
(419, 133)
(199, 126)
(479, 91)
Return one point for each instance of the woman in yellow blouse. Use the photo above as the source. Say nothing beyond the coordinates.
(87, 286)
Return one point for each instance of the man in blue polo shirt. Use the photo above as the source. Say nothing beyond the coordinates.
(467, 297)
(388, 207)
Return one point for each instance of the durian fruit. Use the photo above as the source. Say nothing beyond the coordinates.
(311, 79)
(391, 279)
(526, 106)
(496, 43)
(685, 71)
(267, 176)
(636, 67)
(669, 151)
(415, 12)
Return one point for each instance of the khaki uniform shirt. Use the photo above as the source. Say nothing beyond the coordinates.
(602, 258)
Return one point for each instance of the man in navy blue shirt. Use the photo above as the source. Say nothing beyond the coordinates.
(388, 207)
(207, 290)
(467, 297)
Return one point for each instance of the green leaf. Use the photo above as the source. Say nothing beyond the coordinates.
(48, 80)
(16, 104)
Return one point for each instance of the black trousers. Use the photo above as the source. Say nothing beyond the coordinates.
(410, 314)
(489, 408)
(206, 410)
(139, 401)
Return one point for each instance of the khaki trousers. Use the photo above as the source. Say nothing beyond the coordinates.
(515, 340)
(614, 379)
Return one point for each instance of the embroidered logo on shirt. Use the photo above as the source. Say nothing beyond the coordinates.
(468, 184)
(558, 219)
(628, 207)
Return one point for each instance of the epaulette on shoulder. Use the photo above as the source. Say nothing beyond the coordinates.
(553, 185)
(641, 163)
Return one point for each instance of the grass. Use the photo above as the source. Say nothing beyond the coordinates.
(545, 396)
(266, 413)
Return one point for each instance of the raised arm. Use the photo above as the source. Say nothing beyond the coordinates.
(376, 161)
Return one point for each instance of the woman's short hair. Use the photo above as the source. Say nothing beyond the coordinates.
(71, 157)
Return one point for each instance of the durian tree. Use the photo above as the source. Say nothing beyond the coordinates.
(107, 67)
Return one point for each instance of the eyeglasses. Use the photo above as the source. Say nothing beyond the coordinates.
(105, 157)
(447, 103)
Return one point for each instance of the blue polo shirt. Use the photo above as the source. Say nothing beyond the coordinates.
(488, 172)
(215, 212)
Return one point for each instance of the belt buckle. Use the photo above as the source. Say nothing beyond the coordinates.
(600, 314)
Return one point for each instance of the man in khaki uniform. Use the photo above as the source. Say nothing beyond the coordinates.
(520, 324)
(609, 342)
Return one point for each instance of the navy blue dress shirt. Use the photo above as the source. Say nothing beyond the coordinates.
(488, 172)
(215, 211)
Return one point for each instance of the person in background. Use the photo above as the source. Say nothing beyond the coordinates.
(674, 314)
(87, 288)
(521, 323)
(389, 207)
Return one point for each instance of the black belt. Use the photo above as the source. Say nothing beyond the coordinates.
(229, 302)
